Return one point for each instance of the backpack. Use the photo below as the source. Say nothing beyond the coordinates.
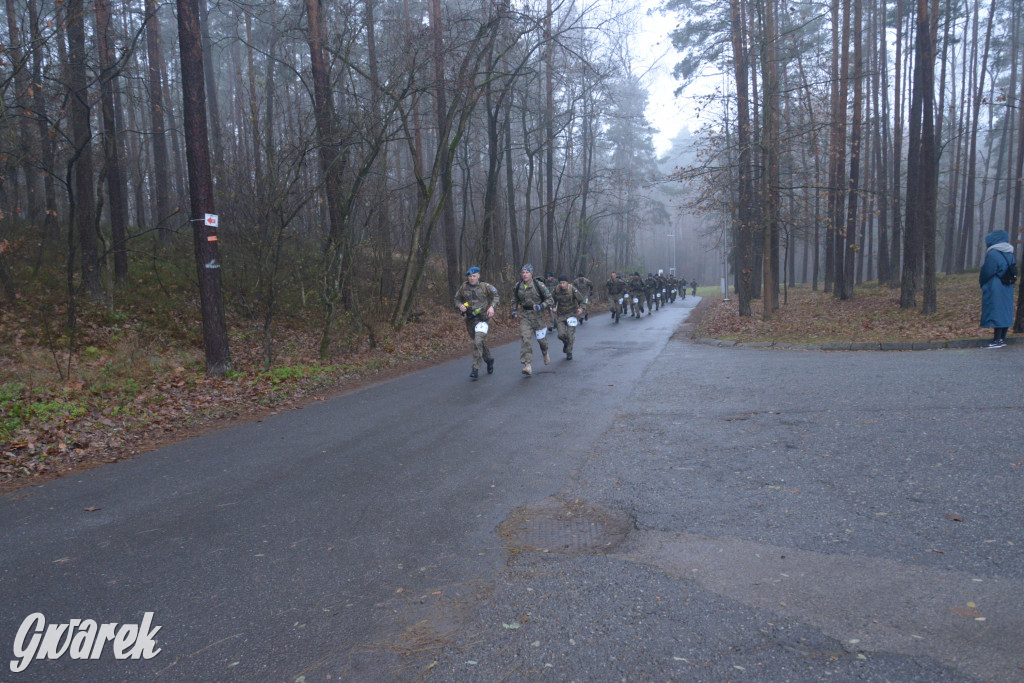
(1009, 276)
(542, 290)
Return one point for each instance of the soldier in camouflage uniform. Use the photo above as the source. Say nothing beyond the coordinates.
(550, 282)
(637, 295)
(649, 289)
(476, 300)
(586, 287)
(693, 283)
(569, 303)
(661, 291)
(530, 298)
(616, 287)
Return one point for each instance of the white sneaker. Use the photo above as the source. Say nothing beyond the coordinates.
(996, 344)
(527, 370)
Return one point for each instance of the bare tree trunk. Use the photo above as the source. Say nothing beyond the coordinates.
(1015, 15)
(510, 186)
(51, 229)
(744, 224)
(161, 183)
(881, 176)
(83, 198)
(549, 142)
(111, 145)
(837, 151)
(336, 246)
(200, 186)
(921, 179)
(381, 231)
(929, 175)
(957, 163)
(853, 200)
(966, 242)
(897, 150)
(254, 115)
(443, 133)
(211, 85)
(26, 154)
(1018, 194)
(770, 143)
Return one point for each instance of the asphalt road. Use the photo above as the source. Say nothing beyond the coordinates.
(792, 515)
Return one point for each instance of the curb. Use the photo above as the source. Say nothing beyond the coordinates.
(857, 346)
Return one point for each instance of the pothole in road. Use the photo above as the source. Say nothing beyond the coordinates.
(565, 528)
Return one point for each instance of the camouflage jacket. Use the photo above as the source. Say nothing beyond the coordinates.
(529, 295)
(616, 287)
(477, 298)
(568, 301)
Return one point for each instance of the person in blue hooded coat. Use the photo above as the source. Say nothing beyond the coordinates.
(996, 298)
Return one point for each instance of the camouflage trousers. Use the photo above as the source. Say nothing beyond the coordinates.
(481, 353)
(566, 333)
(529, 323)
(635, 307)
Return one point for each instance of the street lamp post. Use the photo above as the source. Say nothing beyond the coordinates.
(674, 273)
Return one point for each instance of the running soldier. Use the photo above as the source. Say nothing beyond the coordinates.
(586, 287)
(570, 305)
(650, 288)
(476, 300)
(616, 287)
(550, 282)
(533, 297)
(637, 295)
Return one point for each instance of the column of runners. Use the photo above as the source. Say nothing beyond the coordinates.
(558, 304)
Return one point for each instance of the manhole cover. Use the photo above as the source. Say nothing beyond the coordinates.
(567, 528)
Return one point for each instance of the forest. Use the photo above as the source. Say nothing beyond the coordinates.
(353, 158)
(860, 140)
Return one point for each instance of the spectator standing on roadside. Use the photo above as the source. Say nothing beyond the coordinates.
(997, 286)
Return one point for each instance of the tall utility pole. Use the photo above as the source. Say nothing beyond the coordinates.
(200, 190)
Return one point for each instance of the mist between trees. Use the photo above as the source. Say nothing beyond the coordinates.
(360, 155)
(856, 140)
